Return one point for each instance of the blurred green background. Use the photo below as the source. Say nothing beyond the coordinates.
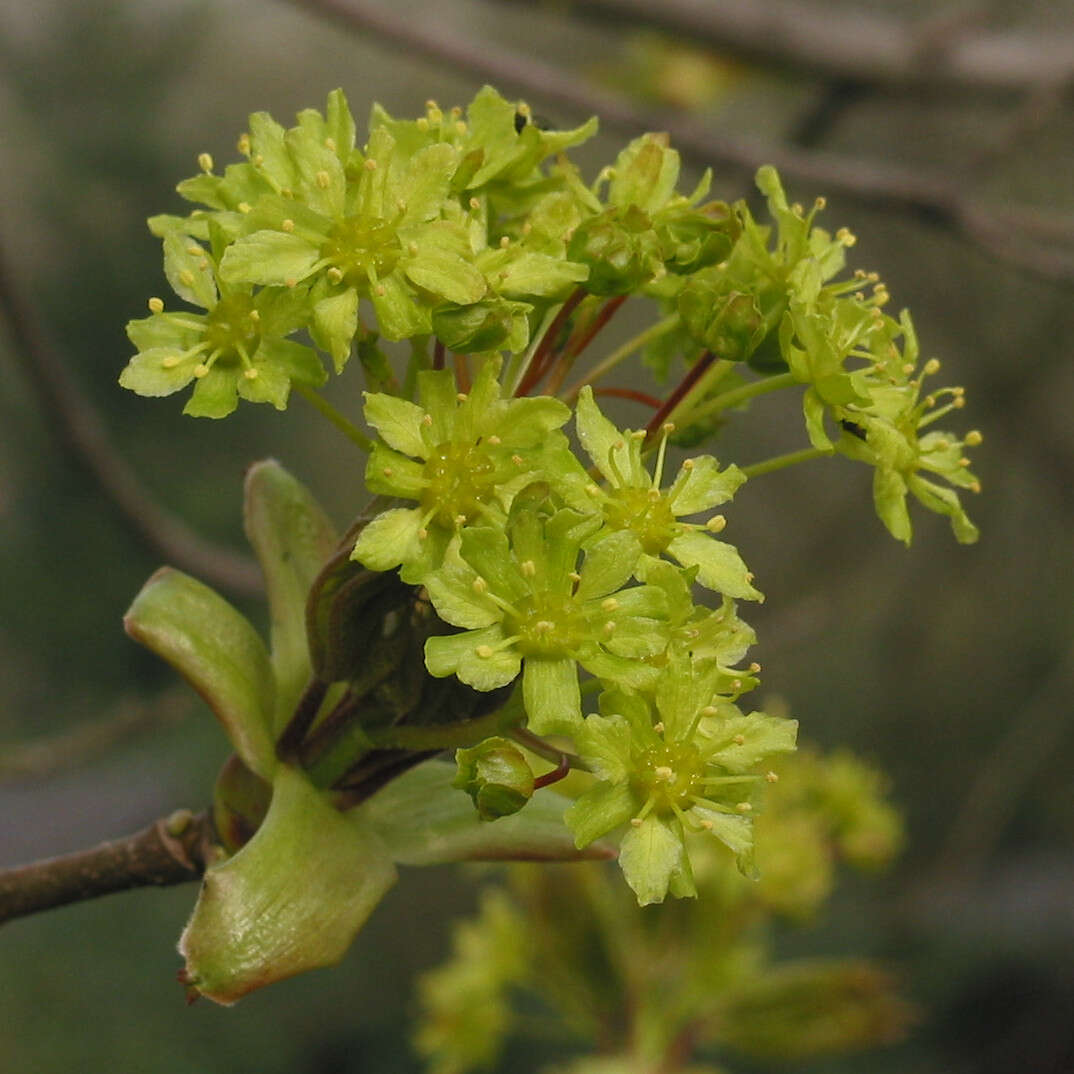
(951, 668)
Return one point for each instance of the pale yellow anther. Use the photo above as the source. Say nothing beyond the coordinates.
(517, 460)
(195, 251)
(324, 180)
(973, 438)
(796, 208)
(380, 290)
(609, 604)
(668, 427)
(400, 204)
(771, 777)
(287, 225)
(245, 207)
(427, 420)
(958, 402)
(431, 105)
(475, 203)
(251, 373)
(709, 710)
(422, 124)
(291, 281)
(460, 520)
(975, 487)
(716, 524)
(609, 628)
(170, 362)
(243, 144)
(255, 316)
(908, 367)
(544, 626)
(736, 684)
(479, 586)
(658, 727)
(932, 366)
(461, 397)
(330, 143)
(201, 370)
(754, 668)
(743, 807)
(664, 773)
(592, 490)
(964, 462)
(187, 277)
(706, 824)
(688, 464)
(637, 434)
(820, 203)
(653, 496)
(494, 440)
(528, 568)
(370, 165)
(846, 236)
(387, 471)
(156, 305)
(504, 242)
(205, 162)
(575, 577)
(749, 576)
(636, 822)
(484, 651)
(739, 740)
(335, 274)
(422, 533)
(259, 159)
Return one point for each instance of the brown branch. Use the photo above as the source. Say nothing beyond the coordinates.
(937, 198)
(170, 851)
(950, 51)
(82, 434)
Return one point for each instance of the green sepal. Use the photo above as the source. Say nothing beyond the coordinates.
(334, 324)
(292, 538)
(650, 855)
(424, 820)
(218, 652)
(496, 776)
(291, 900)
(269, 257)
(186, 264)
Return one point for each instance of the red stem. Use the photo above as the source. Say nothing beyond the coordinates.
(693, 375)
(462, 372)
(557, 773)
(630, 393)
(438, 354)
(578, 343)
(539, 362)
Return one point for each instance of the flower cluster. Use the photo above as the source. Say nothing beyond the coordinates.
(472, 236)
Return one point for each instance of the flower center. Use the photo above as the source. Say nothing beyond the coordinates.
(459, 479)
(231, 327)
(669, 773)
(362, 251)
(547, 624)
(645, 512)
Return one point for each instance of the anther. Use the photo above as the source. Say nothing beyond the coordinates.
(592, 490)
(335, 274)
(205, 162)
(609, 628)
(771, 777)
(156, 305)
(688, 464)
(664, 773)
(330, 143)
(324, 180)
(636, 822)
(716, 524)
(517, 460)
(460, 126)
(288, 225)
(494, 440)
(427, 420)
(187, 277)
(575, 577)
(251, 373)
(504, 242)
(637, 434)
(739, 740)
(387, 471)
(709, 710)
(754, 668)
(668, 427)
(475, 204)
(245, 207)
(846, 236)
(484, 651)
(528, 568)
(200, 370)
(171, 361)
(931, 366)
(460, 520)
(381, 290)
(610, 604)
(658, 727)
(743, 807)
(479, 586)
(370, 165)
(973, 437)
(820, 203)
(195, 250)
(243, 144)
(461, 397)
(544, 626)
(422, 124)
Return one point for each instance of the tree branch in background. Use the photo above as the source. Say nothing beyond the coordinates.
(40, 758)
(1001, 230)
(79, 429)
(172, 850)
(951, 51)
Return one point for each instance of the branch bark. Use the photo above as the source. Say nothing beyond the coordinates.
(172, 850)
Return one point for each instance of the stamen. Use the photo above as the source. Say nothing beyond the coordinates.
(156, 305)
